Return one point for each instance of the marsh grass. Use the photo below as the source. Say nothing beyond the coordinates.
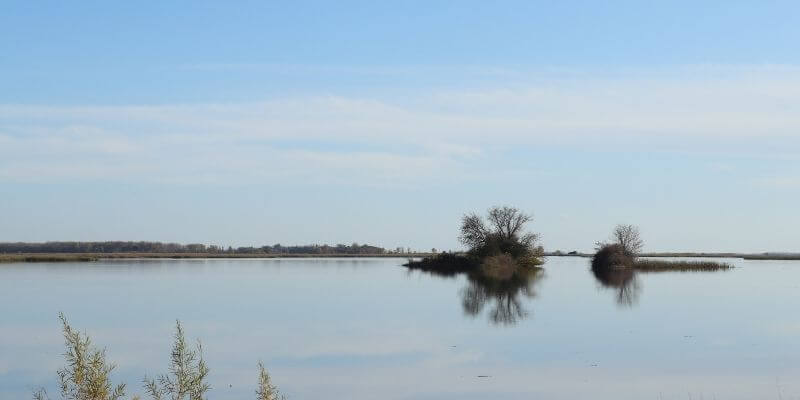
(444, 264)
(9, 258)
(679, 266)
(612, 257)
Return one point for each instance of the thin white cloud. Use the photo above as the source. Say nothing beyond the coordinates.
(428, 136)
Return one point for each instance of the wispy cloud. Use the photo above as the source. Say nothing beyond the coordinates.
(426, 136)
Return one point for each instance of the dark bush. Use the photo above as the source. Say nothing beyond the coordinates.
(611, 256)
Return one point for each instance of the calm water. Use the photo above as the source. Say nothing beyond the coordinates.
(369, 329)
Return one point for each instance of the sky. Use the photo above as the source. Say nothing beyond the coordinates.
(252, 123)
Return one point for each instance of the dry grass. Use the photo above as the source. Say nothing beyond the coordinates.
(612, 257)
(680, 266)
(9, 258)
(744, 256)
(500, 267)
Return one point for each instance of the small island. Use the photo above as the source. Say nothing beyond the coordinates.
(623, 252)
(498, 247)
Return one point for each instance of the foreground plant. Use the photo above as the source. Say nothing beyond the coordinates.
(87, 373)
(188, 372)
(266, 390)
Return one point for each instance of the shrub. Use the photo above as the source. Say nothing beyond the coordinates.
(87, 373)
(266, 390)
(611, 256)
(188, 372)
(501, 267)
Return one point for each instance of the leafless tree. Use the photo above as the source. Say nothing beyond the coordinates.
(505, 222)
(508, 221)
(628, 237)
(473, 230)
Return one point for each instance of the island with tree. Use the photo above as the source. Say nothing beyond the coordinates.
(498, 246)
(624, 249)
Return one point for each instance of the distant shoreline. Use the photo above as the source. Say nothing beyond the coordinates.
(87, 257)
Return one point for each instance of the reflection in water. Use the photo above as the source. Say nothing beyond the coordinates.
(624, 280)
(504, 297)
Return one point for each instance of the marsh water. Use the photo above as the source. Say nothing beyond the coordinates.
(370, 329)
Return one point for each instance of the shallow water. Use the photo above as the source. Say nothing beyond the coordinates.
(369, 329)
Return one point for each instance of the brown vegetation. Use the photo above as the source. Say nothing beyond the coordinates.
(687, 266)
(9, 258)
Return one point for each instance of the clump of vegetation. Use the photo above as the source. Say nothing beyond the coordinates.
(266, 390)
(623, 252)
(611, 256)
(46, 258)
(87, 374)
(688, 266)
(499, 267)
(497, 245)
(444, 264)
(188, 372)
(503, 234)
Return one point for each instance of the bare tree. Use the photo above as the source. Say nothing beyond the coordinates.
(508, 221)
(501, 232)
(473, 230)
(627, 236)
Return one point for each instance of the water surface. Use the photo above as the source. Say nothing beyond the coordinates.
(369, 329)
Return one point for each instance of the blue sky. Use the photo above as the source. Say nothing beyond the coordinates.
(299, 122)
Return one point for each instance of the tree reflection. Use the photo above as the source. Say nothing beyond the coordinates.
(623, 280)
(503, 298)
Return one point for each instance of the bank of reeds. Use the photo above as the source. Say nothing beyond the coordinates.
(9, 258)
(680, 266)
(444, 264)
(612, 257)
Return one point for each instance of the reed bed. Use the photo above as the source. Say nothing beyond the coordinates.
(10, 258)
(680, 266)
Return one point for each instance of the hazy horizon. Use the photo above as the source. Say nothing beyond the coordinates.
(383, 124)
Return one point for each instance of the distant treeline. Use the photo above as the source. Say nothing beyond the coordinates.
(193, 248)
